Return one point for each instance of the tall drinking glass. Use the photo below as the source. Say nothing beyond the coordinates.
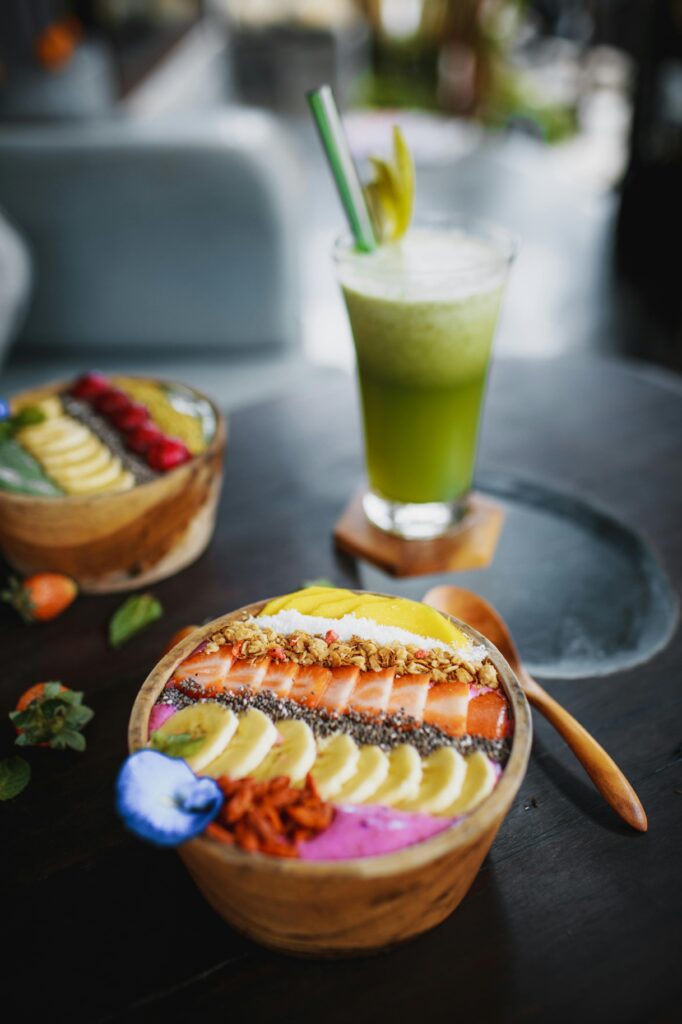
(423, 313)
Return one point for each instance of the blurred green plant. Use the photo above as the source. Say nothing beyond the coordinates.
(457, 55)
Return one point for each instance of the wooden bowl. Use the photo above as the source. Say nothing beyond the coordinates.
(353, 907)
(112, 542)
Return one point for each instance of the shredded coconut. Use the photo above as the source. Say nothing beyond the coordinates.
(291, 621)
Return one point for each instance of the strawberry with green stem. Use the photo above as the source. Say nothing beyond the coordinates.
(40, 597)
(51, 715)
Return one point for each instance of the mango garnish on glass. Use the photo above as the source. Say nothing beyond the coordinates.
(390, 193)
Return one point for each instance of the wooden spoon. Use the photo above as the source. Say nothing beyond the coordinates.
(604, 772)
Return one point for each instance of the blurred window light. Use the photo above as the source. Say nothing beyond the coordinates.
(401, 19)
(312, 13)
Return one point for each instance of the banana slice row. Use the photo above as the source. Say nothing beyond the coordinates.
(443, 783)
(72, 455)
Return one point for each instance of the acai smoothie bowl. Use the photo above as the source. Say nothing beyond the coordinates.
(113, 480)
(332, 765)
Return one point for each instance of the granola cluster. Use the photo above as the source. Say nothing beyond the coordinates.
(367, 655)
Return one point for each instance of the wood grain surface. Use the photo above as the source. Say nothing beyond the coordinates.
(572, 917)
(471, 545)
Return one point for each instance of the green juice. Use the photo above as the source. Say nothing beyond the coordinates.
(423, 315)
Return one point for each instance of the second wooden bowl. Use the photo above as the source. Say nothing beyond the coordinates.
(112, 542)
(344, 908)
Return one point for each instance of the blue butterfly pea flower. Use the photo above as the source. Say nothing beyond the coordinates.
(161, 800)
(5, 411)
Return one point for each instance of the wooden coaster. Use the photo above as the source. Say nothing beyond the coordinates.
(471, 545)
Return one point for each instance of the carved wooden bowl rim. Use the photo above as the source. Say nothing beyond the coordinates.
(459, 837)
(73, 500)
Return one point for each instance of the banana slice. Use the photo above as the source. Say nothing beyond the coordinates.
(73, 455)
(85, 467)
(50, 407)
(479, 783)
(337, 761)
(67, 439)
(294, 755)
(212, 722)
(370, 773)
(125, 481)
(253, 739)
(442, 778)
(102, 479)
(60, 431)
(403, 779)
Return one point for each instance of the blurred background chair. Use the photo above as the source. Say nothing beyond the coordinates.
(15, 283)
(156, 235)
(167, 222)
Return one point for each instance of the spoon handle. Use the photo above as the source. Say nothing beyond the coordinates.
(602, 769)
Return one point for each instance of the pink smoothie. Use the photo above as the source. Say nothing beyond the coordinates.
(368, 831)
(160, 713)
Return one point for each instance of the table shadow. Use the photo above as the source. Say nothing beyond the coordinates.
(579, 790)
(421, 976)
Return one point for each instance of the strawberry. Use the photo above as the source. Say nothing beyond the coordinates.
(139, 440)
(50, 715)
(167, 453)
(111, 402)
(90, 385)
(134, 416)
(40, 597)
(33, 693)
(178, 636)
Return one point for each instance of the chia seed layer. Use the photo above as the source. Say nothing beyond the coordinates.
(385, 731)
(84, 413)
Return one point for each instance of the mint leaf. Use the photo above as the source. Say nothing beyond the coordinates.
(19, 471)
(180, 744)
(135, 614)
(27, 417)
(15, 775)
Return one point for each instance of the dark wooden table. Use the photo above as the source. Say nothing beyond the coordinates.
(572, 917)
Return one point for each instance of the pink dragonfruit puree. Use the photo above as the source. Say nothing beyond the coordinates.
(160, 713)
(368, 831)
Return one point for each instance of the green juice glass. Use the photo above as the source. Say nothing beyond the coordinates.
(423, 313)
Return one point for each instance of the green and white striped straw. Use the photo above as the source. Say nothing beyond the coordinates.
(328, 121)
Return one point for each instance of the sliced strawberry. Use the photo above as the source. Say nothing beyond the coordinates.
(341, 686)
(409, 696)
(141, 439)
(488, 715)
(446, 707)
(167, 453)
(309, 685)
(247, 675)
(372, 692)
(90, 385)
(279, 677)
(202, 673)
(136, 415)
(111, 402)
